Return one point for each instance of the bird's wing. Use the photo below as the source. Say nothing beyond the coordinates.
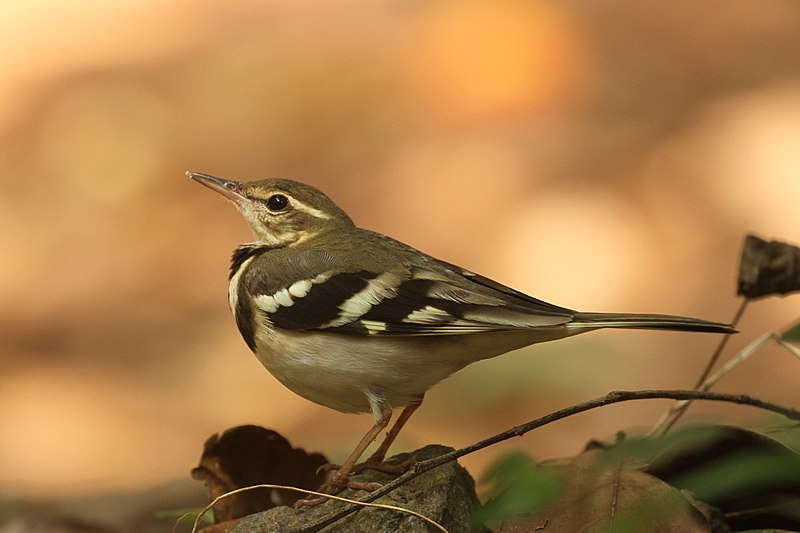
(413, 300)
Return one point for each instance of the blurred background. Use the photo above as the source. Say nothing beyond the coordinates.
(605, 156)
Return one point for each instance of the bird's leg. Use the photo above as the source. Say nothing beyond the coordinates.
(382, 412)
(408, 410)
(375, 461)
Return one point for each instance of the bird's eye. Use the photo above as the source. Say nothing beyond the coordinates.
(277, 202)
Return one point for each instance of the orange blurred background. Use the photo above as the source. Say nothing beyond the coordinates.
(602, 156)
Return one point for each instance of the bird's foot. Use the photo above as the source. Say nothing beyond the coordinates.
(372, 464)
(333, 486)
(340, 482)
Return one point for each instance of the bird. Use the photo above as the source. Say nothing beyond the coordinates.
(359, 322)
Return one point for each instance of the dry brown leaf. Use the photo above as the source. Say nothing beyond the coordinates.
(604, 498)
(251, 455)
(768, 267)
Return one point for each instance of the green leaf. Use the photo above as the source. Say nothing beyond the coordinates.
(636, 449)
(518, 485)
(792, 334)
(745, 471)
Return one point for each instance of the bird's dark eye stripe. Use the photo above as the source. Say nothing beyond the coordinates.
(277, 202)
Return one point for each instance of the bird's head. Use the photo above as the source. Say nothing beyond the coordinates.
(281, 212)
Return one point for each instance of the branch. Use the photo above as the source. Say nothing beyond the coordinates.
(674, 413)
(608, 399)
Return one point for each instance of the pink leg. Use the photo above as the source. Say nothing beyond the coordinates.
(382, 413)
(408, 410)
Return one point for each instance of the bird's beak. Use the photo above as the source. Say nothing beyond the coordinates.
(227, 188)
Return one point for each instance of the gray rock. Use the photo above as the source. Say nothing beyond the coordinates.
(445, 494)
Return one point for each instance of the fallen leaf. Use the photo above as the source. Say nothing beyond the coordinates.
(251, 455)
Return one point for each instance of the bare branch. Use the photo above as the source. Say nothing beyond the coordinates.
(608, 399)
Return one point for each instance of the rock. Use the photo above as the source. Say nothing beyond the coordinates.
(445, 494)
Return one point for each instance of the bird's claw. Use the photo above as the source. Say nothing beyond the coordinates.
(332, 487)
(372, 464)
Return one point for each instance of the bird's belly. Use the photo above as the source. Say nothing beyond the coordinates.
(337, 370)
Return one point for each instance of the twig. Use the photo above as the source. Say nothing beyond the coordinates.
(608, 399)
(789, 346)
(671, 417)
(722, 343)
(672, 414)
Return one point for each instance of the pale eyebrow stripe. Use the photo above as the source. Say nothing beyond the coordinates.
(297, 204)
(305, 208)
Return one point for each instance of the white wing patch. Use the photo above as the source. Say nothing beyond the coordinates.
(403, 302)
(428, 315)
(321, 278)
(270, 303)
(267, 303)
(377, 290)
(283, 298)
(298, 289)
(374, 326)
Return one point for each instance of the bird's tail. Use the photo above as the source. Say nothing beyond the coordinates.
(635, 321)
